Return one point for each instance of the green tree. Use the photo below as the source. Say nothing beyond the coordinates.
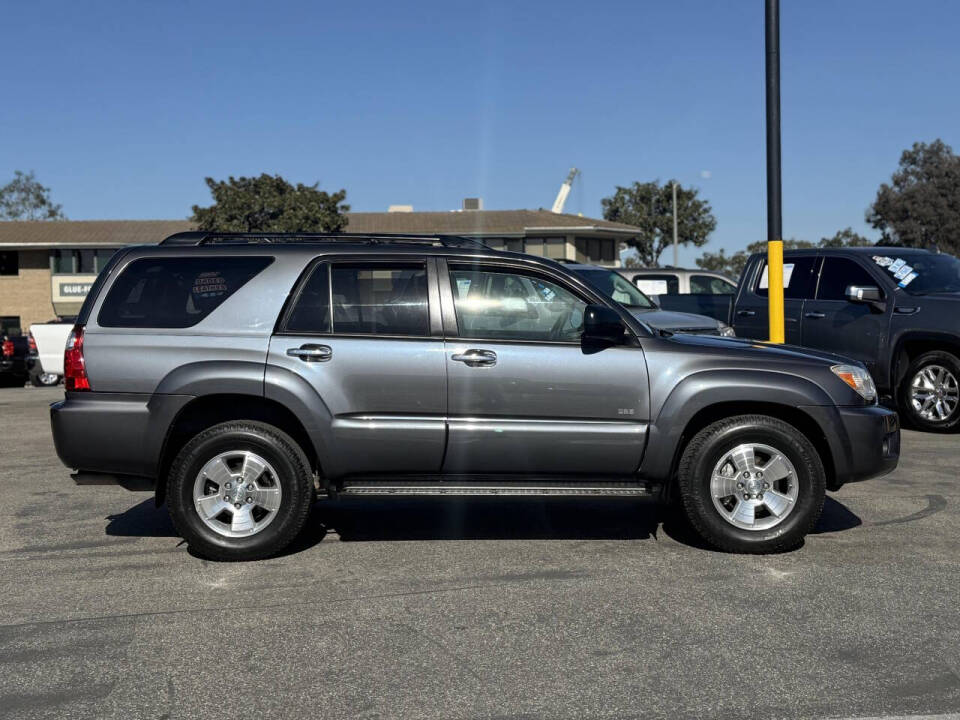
(649, 206)
(23, 198)
(846, 238)
(919, 206)
(732, 265)
(270, 204)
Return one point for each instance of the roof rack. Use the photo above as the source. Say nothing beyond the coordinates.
(268, 238)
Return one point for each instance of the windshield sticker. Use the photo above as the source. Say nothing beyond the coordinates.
(882, 260)
(896, 265)
(903, 272)
(907, 280)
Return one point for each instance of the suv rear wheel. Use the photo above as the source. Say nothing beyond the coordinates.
(752, 483)
(240, 491)
(929, 394)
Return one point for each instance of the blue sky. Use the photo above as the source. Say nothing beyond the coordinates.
(123, 108)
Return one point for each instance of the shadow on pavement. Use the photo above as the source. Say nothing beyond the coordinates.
(390, 519)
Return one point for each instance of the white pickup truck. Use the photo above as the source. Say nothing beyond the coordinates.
(50, 339)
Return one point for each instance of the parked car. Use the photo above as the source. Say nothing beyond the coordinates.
(14, 351)
(50, 339)
(892, 309)
(618, 288)
(694, 291)
(243, 373)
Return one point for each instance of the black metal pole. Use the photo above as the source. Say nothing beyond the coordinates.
(774, 218)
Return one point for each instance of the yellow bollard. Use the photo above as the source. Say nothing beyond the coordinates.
(775, 289)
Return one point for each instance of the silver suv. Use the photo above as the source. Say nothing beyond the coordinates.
(245, 374)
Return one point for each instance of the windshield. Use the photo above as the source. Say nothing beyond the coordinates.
(616, 286)
(922, 273)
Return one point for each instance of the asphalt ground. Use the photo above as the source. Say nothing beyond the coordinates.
(493, 608)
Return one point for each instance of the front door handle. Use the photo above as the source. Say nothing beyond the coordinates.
(746, 313)
(311, 353)
(476, 358)
(815, 315)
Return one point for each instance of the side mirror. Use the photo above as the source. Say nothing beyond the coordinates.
(868, 295)
(601, 323)
(863, 293)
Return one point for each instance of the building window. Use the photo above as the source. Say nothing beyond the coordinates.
(9, 262)
(596, 249)
(87, 262)
(556, 247)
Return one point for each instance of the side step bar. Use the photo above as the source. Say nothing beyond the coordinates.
(456, 488)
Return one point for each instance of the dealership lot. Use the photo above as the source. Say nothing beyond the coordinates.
(473, 609)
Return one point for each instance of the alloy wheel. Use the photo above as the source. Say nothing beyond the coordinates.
(237, 493)
(934, 393)
(754, 486)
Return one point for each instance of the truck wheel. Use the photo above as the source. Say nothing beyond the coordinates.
(240, 491)
(751, 484)
(42, 379)
(929, 395)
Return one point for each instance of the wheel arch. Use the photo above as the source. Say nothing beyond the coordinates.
(209, 410)
(910, 345)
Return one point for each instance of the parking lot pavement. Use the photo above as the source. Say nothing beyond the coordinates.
(473, 609)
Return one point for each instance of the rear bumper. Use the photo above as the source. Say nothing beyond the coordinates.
(864, 442)
(113, 432)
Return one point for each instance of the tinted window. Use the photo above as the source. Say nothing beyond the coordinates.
(658, 284)
(494, 304)
(175, 292)
(615, 286)
(837, 274)
(798, 278)
(380, 299)
(311, 312)
(708, 285)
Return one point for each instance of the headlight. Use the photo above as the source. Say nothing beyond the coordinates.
(857, 378)
(726, 330)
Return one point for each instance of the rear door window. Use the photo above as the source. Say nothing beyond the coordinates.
(175, 292)
(798, 278)
(709, 285)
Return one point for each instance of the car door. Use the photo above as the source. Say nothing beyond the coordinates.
(361, 334)
(833, 323)
(751, 315)
(523, 395)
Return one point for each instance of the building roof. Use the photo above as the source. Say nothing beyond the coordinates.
(119, 233)
(90, 233)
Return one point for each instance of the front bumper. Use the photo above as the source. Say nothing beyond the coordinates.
(864, 441)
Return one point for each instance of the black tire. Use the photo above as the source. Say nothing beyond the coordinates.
(905, 405)
(294, 476)
(708, 447)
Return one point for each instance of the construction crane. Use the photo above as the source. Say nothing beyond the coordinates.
(564, 191)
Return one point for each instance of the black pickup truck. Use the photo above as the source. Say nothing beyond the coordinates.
(15, 351)
(896, 310)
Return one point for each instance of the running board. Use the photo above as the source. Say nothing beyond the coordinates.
(454, 488)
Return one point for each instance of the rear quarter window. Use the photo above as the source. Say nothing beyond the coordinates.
(175, 292)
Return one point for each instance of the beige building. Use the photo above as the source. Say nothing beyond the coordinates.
(47, 268)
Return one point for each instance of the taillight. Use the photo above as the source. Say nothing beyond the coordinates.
(31, 342)
(7, 348)
(74, 371)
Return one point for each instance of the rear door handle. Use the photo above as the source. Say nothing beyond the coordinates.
(746, 313)
(311, 353)
(476, 358)
(815, 315)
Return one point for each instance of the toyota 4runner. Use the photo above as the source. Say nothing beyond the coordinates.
(246, 373)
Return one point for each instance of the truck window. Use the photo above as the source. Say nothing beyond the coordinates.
(709, 285)
(837, 274)
(798, 280)
(658, 284)
(169, 292)
(379, 299)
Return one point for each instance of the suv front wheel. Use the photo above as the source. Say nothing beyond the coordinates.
(752, 483)
(240, 491)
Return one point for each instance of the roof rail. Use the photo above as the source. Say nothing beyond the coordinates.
(199, 237)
